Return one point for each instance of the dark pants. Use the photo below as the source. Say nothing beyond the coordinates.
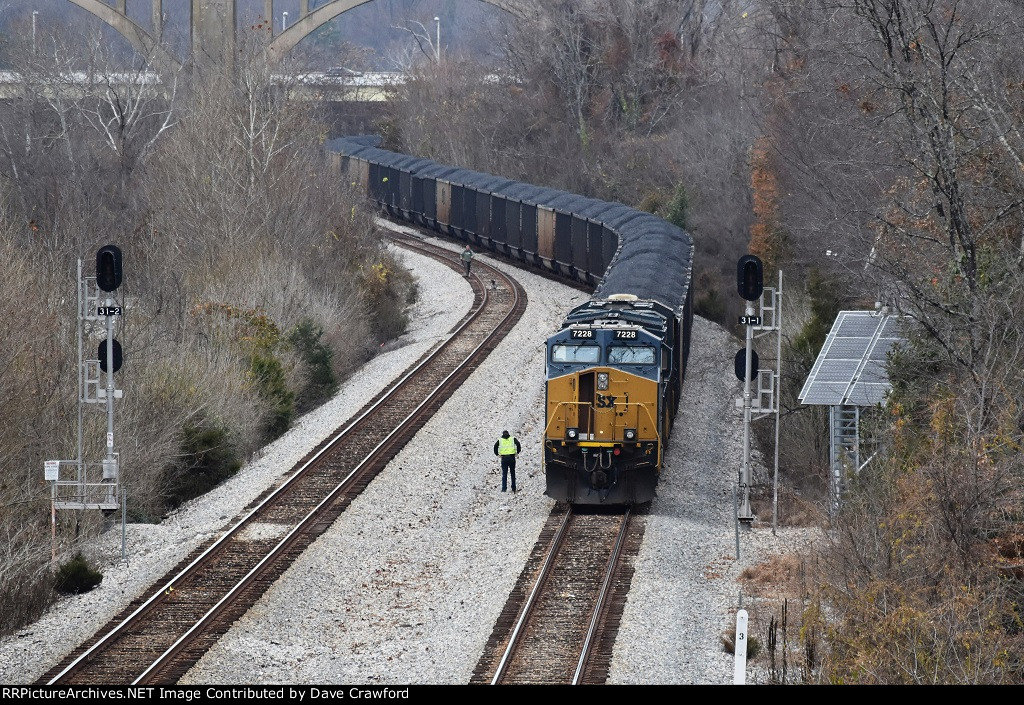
(508, 466)
(466, 262)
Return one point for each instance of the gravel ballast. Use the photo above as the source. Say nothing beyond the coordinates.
(407, 584)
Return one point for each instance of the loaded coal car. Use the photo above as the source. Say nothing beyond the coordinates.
(615, 368)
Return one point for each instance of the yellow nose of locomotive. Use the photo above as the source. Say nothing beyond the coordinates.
(602, 435)
(602, 406)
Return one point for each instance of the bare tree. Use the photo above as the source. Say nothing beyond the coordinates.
(428, 46)
(235, 235)
(133, 107)
(889, 124)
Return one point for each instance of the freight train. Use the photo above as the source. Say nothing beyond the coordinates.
(615, 368)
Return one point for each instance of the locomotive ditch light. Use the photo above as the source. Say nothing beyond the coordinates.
(629, 434)
(602, 381)
(572, 434)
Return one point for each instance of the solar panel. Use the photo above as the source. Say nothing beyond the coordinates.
(850, 369)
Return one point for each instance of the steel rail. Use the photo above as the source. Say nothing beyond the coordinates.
(286, 486)
(226, 600)
(595, 618)
(528, 606)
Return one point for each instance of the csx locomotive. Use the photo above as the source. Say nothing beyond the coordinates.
(616, 367)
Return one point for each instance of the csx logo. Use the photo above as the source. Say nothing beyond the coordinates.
(605, 402)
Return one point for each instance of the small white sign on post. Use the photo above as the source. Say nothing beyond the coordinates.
(51, 470)
(739, 676)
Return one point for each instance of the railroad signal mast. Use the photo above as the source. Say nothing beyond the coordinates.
(768, 319)
(95, 485)
(108, 279)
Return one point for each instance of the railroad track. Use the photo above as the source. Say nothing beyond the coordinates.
(560, 622)
(162, 634)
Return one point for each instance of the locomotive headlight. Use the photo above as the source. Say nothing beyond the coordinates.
(602, 381)
(629, 434)
(572, 434)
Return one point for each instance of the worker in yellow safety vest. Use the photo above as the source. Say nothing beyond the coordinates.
(507, 448)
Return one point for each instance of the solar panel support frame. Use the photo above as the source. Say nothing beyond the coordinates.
(851, 381)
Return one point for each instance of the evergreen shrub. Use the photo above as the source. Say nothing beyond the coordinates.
(77, 576)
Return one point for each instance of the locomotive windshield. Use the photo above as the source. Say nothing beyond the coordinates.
(631, 355)
(575, 353)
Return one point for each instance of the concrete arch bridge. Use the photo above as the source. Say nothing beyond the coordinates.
(214, 22)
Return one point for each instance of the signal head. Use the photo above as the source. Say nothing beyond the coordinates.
(118, 356)
(740, 363)
(108, 267)
(750, 277)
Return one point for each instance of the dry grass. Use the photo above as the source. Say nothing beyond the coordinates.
(781, 576)
(261, 229)
(793, 509)
(776, 596)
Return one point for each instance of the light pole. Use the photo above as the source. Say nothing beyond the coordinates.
(34, 13)
(284, 21)
(437, 48)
